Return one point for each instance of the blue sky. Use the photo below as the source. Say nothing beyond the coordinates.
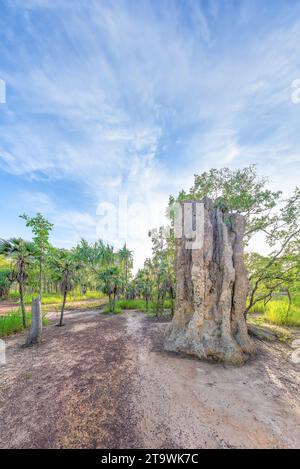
(109, 99)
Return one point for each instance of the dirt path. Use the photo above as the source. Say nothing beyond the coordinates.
(106, 382)
(7, 307)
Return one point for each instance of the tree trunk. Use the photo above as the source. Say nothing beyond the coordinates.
(126, 278)
(63, 309)
(172, 301)
(114, 302)
(36, 323)
(290, 304)
(289, 298)
(211, 287)
(21, 290)
(40, 281)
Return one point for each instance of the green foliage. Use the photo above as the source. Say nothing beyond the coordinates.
(96, 255)
(125, 262)
(4, 262)
(92, 270)
(5, 280)
(20, 253)
(138, 305)
(280, 270)
(64, 266)
(108, 310)
(235, 191)
(40, 228)
(110, 284)
(12, 323)
(279, 312)
(132, 304)
(241, 191)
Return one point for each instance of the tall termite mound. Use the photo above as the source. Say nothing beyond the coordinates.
(212, 286)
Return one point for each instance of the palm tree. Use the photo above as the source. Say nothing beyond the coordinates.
(126, 258)
(21, 252)
(110, 279)
(65, 265)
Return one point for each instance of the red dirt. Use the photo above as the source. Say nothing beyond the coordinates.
(8, 306)
(106, 382)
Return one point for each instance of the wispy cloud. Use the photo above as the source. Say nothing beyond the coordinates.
(135, 97)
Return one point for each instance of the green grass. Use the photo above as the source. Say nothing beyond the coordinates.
(139, 305)
(132, 304)
(276, 311)
(12, 323)
(106, 310)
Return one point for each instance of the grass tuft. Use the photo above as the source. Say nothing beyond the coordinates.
(276, 311)
(12, 323)
(106, 310)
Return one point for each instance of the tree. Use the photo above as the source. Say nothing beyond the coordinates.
(41, 228)
(21, 253)
(143, 284)
(94, 258)
(238, 191)
(281, 268)
(163, 265)
(65, 267)
(126, 260)
(110, 279)
(242, 192)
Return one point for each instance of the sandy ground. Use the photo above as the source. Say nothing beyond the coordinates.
(106, 382)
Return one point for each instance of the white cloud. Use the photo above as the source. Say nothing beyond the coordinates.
(132, 100)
